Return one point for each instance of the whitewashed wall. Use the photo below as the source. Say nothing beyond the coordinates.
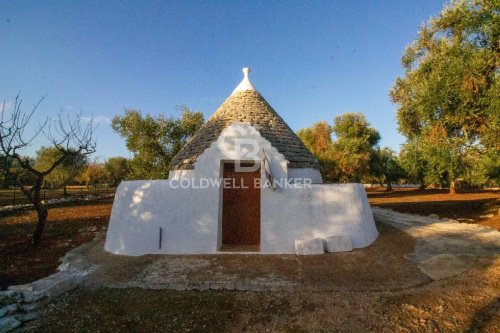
(191, 217)
(191, 223)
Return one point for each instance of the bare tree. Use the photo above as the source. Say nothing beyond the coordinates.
(69, 136)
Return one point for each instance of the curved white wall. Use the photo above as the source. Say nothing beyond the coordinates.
(188, 211)
(190, 217)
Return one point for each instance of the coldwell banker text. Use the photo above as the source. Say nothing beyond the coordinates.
(202, 183)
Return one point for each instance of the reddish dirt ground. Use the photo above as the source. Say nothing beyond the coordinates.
(468, 302)
(67, 227)
(482, 206)
(70, 226)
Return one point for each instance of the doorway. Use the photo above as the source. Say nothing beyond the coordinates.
(240, 207)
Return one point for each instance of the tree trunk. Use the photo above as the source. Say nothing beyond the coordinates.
(422, 183)
(452, 187)
(65, 190)
(42, 213)
(41, 210)
(389, 186)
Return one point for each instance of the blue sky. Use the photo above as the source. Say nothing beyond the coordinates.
(311, 60)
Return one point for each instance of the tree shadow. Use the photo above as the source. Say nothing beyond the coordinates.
(484, 316)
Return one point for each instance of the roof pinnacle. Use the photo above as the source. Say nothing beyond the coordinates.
(245, 84)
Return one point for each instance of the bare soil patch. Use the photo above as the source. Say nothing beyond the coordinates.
(368, 293)
(369, 268)
(67, 227)
(481, 206)
(466, 303)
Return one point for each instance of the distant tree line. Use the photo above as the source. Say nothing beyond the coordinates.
(153, 142)
(74, 170)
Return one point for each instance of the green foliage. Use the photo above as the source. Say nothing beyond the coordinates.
(412, 160)
(448, 97)
(5, 170)
(154, 141)
(385, 166)
(484, 169)
(11, 172)
(354, 145)
(66, 171)
(117, 169)
(348, 157)
(318, 140)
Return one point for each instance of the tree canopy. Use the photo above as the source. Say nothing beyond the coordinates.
(385, 166)
(154, 141)
(117, 169)
(66, 171)
(354, 145)
(318, 139)
(94, 173)
(347, 158)
(448, 97)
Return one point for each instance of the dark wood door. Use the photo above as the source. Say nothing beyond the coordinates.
(240, 206)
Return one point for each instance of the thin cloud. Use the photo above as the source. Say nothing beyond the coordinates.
(97, 120)
(7, 106)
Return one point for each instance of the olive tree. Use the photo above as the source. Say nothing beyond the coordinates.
(68, 135)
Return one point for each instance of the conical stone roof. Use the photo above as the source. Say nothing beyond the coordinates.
(246, 105)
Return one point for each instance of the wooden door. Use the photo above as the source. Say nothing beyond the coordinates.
(240, 206)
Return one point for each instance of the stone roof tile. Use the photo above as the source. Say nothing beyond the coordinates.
(250, 107)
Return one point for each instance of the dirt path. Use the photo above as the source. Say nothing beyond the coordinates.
(362, 269)
(445, 247)
(476, 207)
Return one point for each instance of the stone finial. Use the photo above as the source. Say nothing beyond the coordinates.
(245, 84)
(246, 72)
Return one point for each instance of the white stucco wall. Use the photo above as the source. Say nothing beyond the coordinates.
(190, 216)
(191, 224)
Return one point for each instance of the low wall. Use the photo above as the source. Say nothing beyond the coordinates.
(190, 223)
